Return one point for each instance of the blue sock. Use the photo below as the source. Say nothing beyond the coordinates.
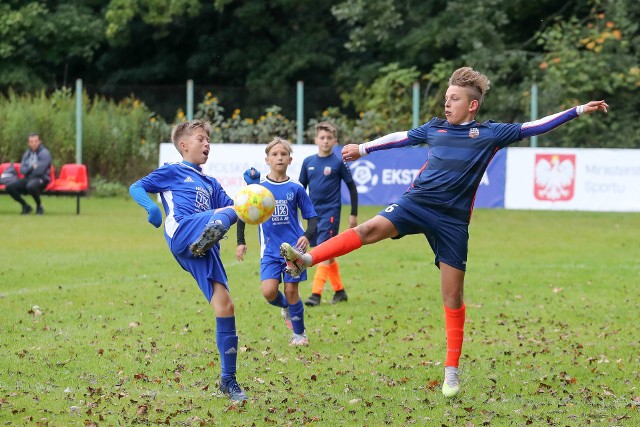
(227, 343)
(227, 217)
(297, 317)
(280, 301)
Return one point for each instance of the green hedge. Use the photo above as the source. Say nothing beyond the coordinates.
(119, 139)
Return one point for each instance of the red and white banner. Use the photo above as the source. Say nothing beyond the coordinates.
(573, 179)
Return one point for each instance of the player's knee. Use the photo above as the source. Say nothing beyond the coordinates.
(269, 294)
(225, 309)
(373, 231)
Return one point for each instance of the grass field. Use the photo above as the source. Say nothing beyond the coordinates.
(122, 336)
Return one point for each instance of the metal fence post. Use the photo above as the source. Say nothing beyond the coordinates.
(300, 111)
(189, 99)
(79, 121)
(534, 111)
(416, 104)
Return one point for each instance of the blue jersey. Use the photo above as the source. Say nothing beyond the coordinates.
(323, 175)
(284, 225)
(185, 190)
(458, 157)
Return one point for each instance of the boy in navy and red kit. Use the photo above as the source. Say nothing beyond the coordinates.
(198, 214)
(439, 203)
(323, 173)
(283, 226)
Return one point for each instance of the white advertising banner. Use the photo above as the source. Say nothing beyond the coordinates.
(573, 179)
(227, 162)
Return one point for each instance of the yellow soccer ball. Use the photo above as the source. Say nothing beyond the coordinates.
(254, 204)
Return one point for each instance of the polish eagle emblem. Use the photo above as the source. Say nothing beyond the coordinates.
(554, 177)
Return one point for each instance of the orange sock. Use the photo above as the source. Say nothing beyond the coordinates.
(342, 244)
(454, 325)
(320, 278)
(334, 276)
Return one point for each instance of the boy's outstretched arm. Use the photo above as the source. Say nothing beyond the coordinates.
(351, 152)
(140, 195)
(548, 123)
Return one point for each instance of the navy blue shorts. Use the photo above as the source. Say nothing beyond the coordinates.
(448, 237)
(273, 268)
(328, 227)
(206, 269)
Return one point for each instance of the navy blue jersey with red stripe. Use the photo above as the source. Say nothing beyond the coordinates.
(323, 175)
(458, 157)
(284, 225)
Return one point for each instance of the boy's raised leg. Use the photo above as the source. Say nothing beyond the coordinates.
(342, 244)
(215, 230)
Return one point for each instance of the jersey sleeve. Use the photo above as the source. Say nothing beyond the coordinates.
(159, 180)
(506, 133)
(419, 135)
(548, 123)
(345, 173)
(304, 203)
(304, 176)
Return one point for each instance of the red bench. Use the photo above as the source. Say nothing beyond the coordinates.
(72, 181)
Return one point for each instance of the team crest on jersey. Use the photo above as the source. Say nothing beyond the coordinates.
(554, 177)
(474, 132)
(290, 195)
(327, 170)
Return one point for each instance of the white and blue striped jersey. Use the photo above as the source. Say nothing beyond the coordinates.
(184, 190)
(285, 224)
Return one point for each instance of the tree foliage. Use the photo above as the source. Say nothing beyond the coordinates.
(574, 50)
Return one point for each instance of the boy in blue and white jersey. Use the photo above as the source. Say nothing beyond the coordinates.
(283, 226)
(323, 174)
(440, 200)
(198, 214)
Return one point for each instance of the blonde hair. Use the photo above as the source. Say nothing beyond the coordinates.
(187, 128)
(277, 140)
(477, 84)
(328, 127)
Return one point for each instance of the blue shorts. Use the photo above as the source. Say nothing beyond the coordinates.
(328, 227)
(448, 237)
(206, 269)
(273, 268)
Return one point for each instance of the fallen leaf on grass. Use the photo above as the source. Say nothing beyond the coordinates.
(433, 384)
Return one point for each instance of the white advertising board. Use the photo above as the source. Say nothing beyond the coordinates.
(573, 179)
(227, 162)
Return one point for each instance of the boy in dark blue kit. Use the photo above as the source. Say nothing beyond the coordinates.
(440, 201)
(323, 173)
(198, 214)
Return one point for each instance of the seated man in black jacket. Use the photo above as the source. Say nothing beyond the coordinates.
(36, 167)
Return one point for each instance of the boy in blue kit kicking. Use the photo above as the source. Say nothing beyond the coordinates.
(323, 173)
(283, 226)
(198, 214)
(439, 202)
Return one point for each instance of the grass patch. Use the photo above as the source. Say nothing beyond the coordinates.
(122, 336)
